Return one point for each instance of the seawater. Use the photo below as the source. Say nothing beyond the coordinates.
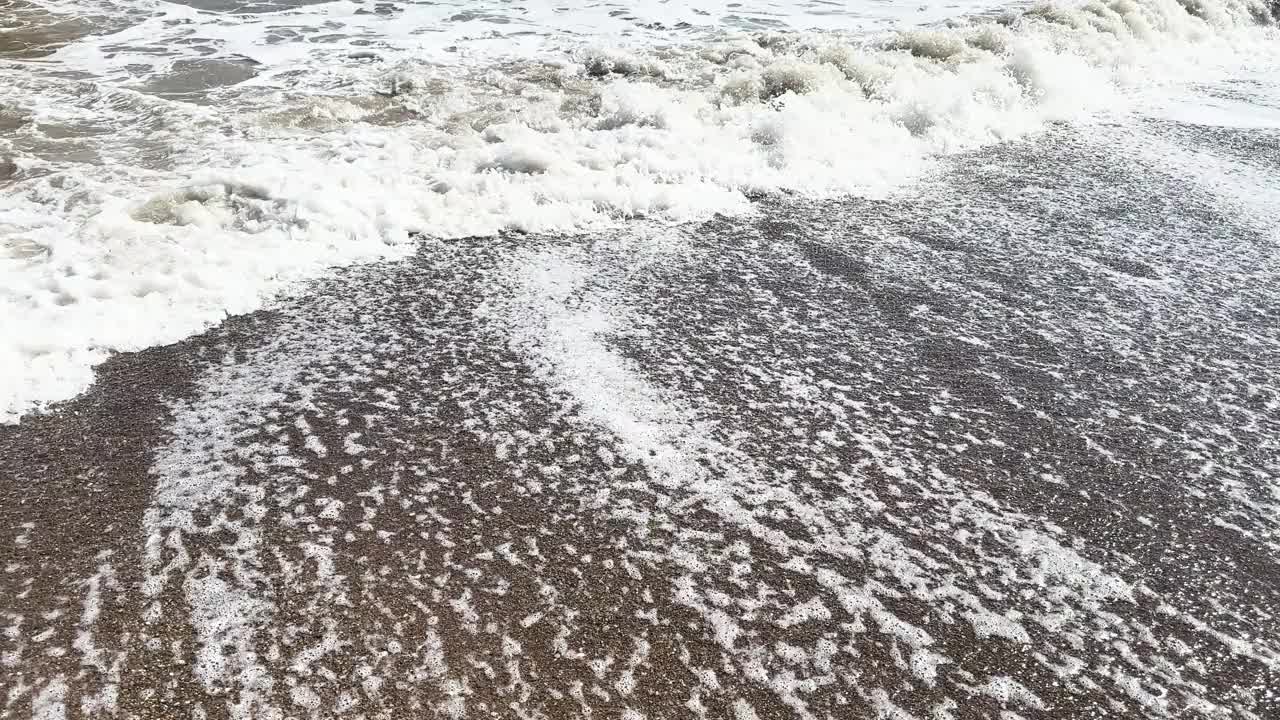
(165, 165)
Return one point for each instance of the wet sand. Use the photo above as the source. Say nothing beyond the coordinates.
(1005, 448)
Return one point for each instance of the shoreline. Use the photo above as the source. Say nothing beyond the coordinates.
(947, 451)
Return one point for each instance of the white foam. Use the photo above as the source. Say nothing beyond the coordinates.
(1223, 112)
(1009, 691)
(51, 702)
(454, 30)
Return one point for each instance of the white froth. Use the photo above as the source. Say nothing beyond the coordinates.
(51, 702)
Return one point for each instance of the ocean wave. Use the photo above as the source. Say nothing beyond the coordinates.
(157, 214)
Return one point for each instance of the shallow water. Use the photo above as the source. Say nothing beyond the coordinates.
(130, 129)
(1001, 443)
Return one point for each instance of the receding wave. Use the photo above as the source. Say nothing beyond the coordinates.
(157, 211)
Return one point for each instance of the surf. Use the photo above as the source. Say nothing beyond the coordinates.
(125, 217)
